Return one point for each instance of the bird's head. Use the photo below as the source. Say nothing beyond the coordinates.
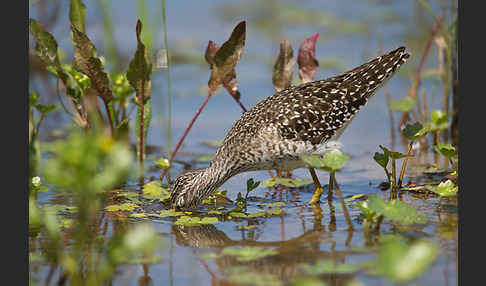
(190, 189)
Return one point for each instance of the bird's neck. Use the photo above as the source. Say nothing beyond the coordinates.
(213, 177)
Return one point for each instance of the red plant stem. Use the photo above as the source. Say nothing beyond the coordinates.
(210, 92)
(230, 91)
(414, 90)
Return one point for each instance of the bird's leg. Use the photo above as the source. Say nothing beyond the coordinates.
(279, 173)
(318, 192)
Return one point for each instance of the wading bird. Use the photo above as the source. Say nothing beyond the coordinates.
(303, 119)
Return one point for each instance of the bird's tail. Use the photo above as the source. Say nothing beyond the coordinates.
(375, 73)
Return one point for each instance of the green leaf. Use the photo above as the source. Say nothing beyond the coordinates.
(251, 185)
(227, 56)
(147, 117)
(162, 163)
(256, 214)
(44, 109)
(396, 210)
(33, 97)
(121, 207)
(85, 61)
(438, 121)
(155, 189)
(245, 254)
(46, 44)
(445, 189)
(401, 262)
(382, 159)
(446, 149)
(335, 159)
(193, 221)
(412, 131)
(284, 67)
(238, 214)
(288, 182)
(313, 161)
(270, 205)
(77, 15)
(393, 155)
(140, 69)
(275, 212)
(404, 105)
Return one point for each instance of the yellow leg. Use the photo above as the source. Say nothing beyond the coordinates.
(318, 192)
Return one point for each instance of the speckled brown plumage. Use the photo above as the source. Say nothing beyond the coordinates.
(304, 119)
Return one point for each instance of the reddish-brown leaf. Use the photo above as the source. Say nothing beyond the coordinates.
(140, 69)
(85, 61)
(283, 69)
(306, 59)
(226, 57)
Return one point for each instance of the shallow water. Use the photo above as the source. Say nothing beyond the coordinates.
(304, 234)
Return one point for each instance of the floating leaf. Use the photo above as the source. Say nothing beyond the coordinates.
(396, 210)
(283, 69)
(275, 212)
(329, 267)
(413, 131)
(288, 182)
(193, 221)
(307, 60)
(405, 104)
(256, 214)
(445, 189)
(270, 205)
(155, 189)
(238, 214)
(121, 207)
(85, 61)
(226, 57)
(248, 253)
(446, 149)
(138, 215)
